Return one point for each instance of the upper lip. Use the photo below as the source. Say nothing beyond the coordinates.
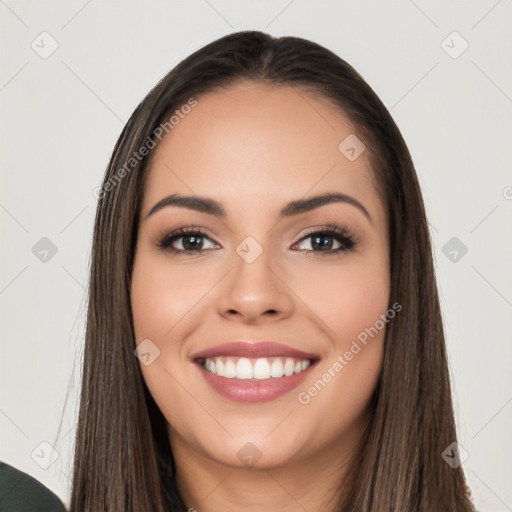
(253, 349)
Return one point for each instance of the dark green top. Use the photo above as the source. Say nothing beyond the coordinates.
(19, 492)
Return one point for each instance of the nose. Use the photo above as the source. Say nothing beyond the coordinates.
(255, 292)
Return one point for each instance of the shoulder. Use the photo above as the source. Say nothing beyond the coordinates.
(21, 492)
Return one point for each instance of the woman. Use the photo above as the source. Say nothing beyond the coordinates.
(264, 328)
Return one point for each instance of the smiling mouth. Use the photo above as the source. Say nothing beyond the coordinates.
(256, 369)
(252, 372)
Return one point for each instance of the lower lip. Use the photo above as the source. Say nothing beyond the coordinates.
(241, 390)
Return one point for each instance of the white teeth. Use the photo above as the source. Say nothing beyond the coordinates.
(229, 370)
(304, 364)
(277, 368)
(288, 367)
(261, 368)
(244, 368)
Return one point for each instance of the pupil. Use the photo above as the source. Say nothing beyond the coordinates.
(191, 246)
(316, 245)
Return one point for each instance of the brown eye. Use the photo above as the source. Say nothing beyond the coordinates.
(322, 241)
(190, 240)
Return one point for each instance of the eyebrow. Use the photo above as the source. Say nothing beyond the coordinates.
(213, 207)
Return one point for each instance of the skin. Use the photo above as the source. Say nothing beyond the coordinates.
(254, 148)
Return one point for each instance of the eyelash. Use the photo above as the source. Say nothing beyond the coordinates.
(340, 234)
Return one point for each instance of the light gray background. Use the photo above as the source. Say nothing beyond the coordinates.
(62, 115)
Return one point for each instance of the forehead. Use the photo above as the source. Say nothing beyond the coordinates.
(256, 145)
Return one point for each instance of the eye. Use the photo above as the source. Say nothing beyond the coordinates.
(322, 241)
(191, 240)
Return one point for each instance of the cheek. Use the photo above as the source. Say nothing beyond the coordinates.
(163, 300)
(346, 298)
(355, 302)
(169, 301)
(352, 304)
(162, 296)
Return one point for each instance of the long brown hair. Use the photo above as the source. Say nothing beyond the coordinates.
(123, 461)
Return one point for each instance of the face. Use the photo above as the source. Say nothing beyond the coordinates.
(264, 325)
